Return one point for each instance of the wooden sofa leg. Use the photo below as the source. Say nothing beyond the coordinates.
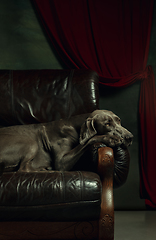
(105, 170)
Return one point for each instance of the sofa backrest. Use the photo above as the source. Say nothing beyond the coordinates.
(34, 96)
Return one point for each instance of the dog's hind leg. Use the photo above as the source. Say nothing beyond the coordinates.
(26, 162)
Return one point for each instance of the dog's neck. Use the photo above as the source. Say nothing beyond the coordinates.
(74, 121)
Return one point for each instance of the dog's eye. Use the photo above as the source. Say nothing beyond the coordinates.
(107, 124)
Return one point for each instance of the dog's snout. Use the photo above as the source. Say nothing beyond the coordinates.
(119, 131)
(129, 138)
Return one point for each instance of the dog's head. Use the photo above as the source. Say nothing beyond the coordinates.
(103, 122)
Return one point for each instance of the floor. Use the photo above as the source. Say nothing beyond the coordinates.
(135, 225)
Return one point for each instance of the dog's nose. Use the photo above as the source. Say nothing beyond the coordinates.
(129, 139)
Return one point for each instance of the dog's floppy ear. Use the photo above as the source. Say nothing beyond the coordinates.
(87, 130)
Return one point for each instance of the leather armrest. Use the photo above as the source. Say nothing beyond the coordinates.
(121, 163)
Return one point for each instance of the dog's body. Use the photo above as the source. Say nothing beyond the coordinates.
(58, 145)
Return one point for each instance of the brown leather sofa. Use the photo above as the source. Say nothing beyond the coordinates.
(58, 205)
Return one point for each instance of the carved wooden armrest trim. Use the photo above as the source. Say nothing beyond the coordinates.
(105, 170)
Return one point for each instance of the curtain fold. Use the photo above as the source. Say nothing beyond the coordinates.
(112, 38)
(147, 113)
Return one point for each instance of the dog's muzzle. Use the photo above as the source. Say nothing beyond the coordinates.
(128, 139)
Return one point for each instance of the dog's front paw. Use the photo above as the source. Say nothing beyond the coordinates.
(110, 141)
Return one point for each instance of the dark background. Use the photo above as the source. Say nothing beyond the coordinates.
(23, 45)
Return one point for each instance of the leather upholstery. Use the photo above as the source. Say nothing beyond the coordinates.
(49, 196)
(34, 96)
(121, 166)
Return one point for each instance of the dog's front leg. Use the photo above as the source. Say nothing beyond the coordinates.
(70, 158)
(108, 140)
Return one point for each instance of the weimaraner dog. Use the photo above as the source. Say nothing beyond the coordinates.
(58, 145)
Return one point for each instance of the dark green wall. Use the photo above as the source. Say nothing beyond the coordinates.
(22, 42)
(23, 45)
(124, 102)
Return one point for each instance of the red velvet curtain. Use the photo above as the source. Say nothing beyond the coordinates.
(112, 38)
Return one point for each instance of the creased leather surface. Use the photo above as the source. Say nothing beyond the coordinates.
(33, 96)
(20, 189)
(121, 166)
(121, 162)
(22, 194)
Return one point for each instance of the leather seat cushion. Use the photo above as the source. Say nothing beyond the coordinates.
(54, 196)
